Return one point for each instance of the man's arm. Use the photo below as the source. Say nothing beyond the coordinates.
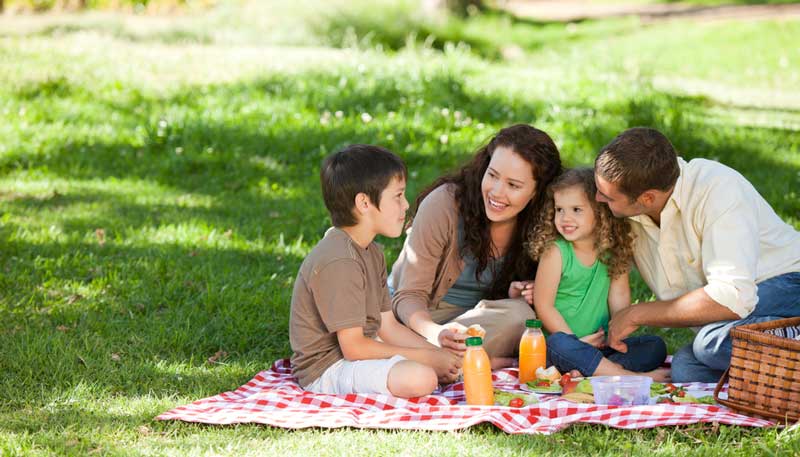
(691, 309)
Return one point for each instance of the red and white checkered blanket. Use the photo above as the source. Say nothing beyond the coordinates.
(273, 397)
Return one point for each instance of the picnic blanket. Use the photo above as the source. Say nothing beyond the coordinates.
(273, 397)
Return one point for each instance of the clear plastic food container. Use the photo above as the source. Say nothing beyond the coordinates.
(621, 390)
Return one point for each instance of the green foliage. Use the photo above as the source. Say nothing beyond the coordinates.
(45, 5)
(157, 197)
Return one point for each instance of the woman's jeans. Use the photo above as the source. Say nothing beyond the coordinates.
(567, 352)
(710, 354)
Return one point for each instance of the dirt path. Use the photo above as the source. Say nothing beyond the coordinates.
(575, 10)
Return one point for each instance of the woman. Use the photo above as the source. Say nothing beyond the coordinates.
(466, 244)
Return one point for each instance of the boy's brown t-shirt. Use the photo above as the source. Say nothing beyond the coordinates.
(340, 285)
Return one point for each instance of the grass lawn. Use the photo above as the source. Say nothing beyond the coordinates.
(159, 189)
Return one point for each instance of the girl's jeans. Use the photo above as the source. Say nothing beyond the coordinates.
(567, 352)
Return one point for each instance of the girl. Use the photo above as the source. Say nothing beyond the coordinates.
(584, 255)
(466, 244)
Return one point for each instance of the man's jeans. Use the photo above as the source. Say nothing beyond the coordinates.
(710, 354)
(567, 352)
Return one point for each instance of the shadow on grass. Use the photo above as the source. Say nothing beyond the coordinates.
(138, 320)
(83, 428)
(221, 156)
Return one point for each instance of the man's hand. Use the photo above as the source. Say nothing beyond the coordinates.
(596, 339)
(452, 337)
(446, 364)
(522, 289)
(622, 324)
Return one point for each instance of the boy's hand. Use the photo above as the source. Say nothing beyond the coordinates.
(596, 339)
(452, 338)
(446, 364)
(522, 289)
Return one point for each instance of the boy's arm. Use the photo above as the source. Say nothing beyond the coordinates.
(356, 346)
(619, 294)
(393, 332)
(548, 276)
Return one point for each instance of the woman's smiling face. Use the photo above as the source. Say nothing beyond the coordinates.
(507, 186)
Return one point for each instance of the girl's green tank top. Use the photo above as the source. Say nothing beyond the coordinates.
(582, 297)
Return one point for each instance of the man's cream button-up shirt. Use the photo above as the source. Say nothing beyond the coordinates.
(718, 233)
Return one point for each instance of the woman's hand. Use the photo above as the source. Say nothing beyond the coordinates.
(596, 339)
(522, 289)
(452, 337)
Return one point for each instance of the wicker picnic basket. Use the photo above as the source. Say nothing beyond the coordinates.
(764, 375)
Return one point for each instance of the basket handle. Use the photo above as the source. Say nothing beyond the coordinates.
(721, 383)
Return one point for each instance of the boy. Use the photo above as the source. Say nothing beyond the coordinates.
(340, 302)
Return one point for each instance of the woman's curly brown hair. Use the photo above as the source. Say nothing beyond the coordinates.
(613, 236)
(536, 148)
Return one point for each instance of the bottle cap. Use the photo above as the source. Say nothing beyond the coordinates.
(474, 341)
(533, 323)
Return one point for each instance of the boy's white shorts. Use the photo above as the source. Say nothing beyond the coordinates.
(358, 376)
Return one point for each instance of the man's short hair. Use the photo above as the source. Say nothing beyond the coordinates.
(637, 160)
(358, 168)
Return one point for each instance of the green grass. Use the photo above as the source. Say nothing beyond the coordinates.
(198, 158)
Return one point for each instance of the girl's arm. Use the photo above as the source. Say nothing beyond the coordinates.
(619, 294)
(548, 276)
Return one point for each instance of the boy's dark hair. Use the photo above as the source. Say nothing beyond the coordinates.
(358, 168)
(637, 160)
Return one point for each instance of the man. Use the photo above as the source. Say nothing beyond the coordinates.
(709, 246)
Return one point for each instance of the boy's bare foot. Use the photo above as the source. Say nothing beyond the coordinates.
(660, 375)
(502, 362)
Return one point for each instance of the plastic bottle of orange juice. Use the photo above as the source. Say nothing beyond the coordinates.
(477, 373)
(532, 351)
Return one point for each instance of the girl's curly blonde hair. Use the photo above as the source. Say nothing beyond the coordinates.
(613, 236)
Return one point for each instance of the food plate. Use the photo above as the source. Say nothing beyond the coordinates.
(554, 389)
